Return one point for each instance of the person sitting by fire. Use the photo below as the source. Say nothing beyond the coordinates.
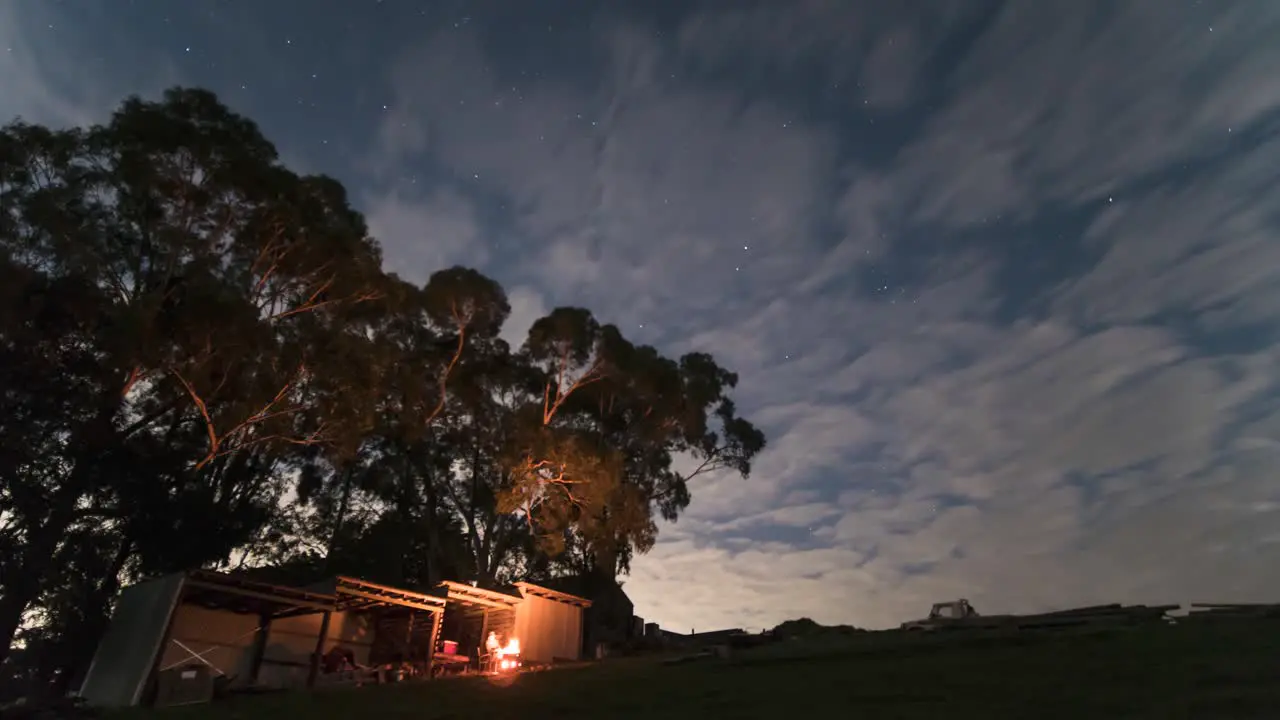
(492, 647)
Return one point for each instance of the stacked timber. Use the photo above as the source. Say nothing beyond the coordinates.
(1236, 611)
(1093, 616)
(1098, 616)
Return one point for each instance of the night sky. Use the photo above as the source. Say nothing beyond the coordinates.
(1001, 280)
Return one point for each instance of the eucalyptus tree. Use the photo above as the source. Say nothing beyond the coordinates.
(201, 355)
(218, 311)
(595, 457)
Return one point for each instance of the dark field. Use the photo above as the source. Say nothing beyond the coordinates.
(1218, 670)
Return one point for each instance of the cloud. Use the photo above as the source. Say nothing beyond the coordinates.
(1045, 455)
(999, 279)
(1051, 106)
(29, 72)
(1204, 247)
(426, 232)
(890, 69)
(54, 70)
(527, 306)
(643, 200)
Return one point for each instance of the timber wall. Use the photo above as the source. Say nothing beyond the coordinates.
(548, 630)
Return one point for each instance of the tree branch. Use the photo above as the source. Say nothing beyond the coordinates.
(462, 324)
(204, 413)
(550, 407)
(135, 375)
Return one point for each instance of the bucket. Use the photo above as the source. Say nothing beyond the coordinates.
(450, 647)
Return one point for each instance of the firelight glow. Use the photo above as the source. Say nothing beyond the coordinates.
(509, 655)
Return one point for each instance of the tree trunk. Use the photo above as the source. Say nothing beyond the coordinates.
(37, 559)
(433, 534)
(88, 633)
(338, 521)
(12, 605)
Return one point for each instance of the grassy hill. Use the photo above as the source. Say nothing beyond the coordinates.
(1196, 670)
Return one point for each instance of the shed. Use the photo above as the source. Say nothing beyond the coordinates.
(248, 632)
(547, 623)
(471, 613)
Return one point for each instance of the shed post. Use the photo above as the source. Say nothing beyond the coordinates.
(259, 647)
(408, 637)
(435, 636)
(315, 656)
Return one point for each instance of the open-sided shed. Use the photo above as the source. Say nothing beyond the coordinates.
(471, 613)
(252, 633)
(547, 623)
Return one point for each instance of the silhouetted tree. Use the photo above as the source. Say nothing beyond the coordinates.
(203, 364)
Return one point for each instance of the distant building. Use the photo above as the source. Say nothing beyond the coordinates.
(700, 639)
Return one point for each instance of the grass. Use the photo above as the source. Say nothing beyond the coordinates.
(1197, 670)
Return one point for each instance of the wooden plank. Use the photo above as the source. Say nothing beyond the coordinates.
(259, 648)
(553, 594)
(231, 582)
(359, 584)
(378, 599)
(435, 636)
(1240, 606)
(482, 598)
(287, 600)
(315, 657)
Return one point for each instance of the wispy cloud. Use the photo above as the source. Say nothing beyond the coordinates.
(66, 85)
(1000, 279)
(949, 417)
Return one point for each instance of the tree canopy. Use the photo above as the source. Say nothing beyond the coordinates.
(204, 364)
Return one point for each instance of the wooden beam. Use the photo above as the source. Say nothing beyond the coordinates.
(295, 612)
(435, 636)
(245, 592)
(389, 600)
(550, 594)
(259, 647)
(357, 583)
(408, 637)
(315, 657)
(479, 596)
(227, 581)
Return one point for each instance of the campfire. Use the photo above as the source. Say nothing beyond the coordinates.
(508, 656)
